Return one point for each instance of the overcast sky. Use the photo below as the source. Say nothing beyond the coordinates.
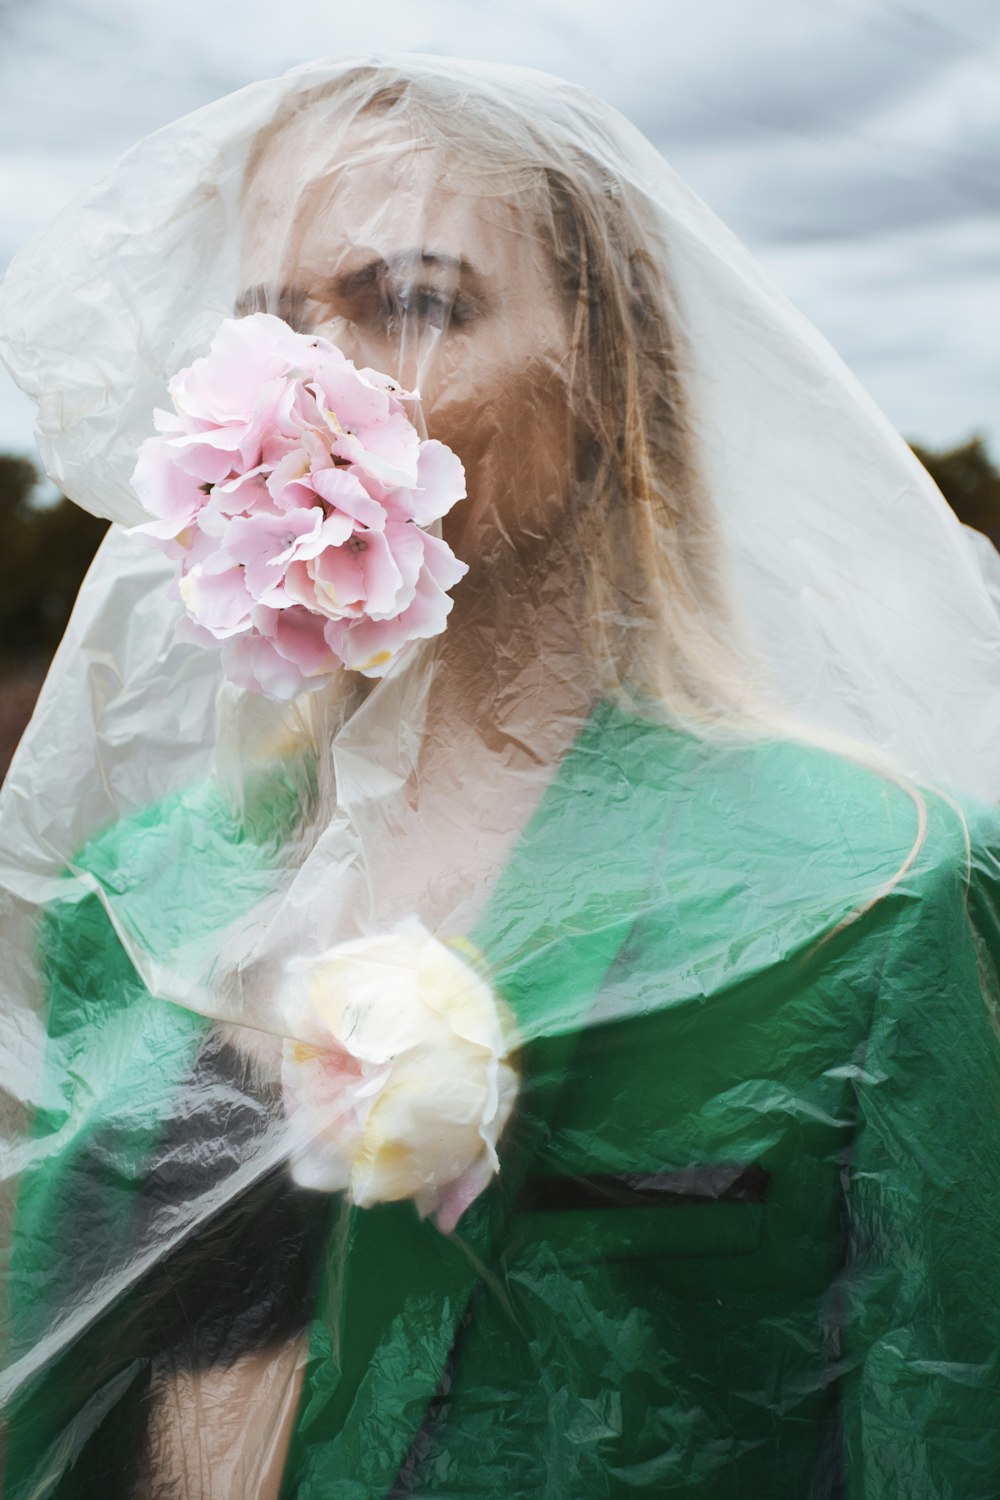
(854, 145)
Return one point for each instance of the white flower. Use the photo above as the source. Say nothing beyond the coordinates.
(394, 1073)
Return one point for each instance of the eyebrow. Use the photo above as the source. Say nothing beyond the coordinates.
(253, 298)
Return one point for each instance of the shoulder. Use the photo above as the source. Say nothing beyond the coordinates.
(180, 867)
(797, 817)
(923, 847)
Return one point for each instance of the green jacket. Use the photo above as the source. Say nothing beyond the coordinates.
(745, 1240)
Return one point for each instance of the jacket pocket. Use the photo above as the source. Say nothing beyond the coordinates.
(714, 1209)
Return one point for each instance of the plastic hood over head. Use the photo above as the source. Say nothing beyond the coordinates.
(501, 881)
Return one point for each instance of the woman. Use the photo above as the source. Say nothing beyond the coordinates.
(676, 777)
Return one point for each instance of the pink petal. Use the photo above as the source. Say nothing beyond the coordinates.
(169, 423)
(391, 387)
(299, 586)
(253, 664)
(428, 614)
(169, 493)
(441, 563)
(371, 646)
(194, 546)
(274, 446)
(265, 543)
(355, 402)
(210, 456)
(247, 491)
(440, 482)
(216, 596)
(297, 635)
(387, 452)
(367, 646)
(335, 530)
(462, 1192)
(285, 654)
(245, 354)
(289, 482)
(340, 488)
(306, 413)
(407, 543)
(364, 571)
(317, 447)
(338, 582)
(272, 399)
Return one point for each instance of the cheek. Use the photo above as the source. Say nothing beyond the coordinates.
(363, 347)
(500, 404)
(510, 423)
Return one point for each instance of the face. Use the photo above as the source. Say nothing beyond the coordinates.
(416, 266)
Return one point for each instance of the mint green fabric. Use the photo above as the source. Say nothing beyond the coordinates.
(709, 976)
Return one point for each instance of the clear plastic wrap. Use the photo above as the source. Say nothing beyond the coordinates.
(565, 1064)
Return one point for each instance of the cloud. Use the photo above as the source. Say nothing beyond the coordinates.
(914, 314)
(855, 146)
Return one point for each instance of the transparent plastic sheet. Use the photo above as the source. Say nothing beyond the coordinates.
(698, 785)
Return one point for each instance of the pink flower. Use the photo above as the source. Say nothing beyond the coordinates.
(295, 491)
(284, 654)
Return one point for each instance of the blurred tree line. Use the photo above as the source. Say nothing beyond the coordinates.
(969, 482)
(47, 547)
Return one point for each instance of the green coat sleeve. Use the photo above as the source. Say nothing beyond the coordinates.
(922, 1388)
(115, 1058)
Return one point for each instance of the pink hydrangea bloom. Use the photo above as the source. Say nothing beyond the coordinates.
(295, 491)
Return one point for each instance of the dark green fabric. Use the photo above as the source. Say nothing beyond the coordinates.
(843, 1337)
(708, 973)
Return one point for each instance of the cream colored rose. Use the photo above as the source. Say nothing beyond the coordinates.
(395, 1073)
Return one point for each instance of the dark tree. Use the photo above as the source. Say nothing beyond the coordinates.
(969, 481)
(46, 550)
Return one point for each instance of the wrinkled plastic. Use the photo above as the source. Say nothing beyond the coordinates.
(698, 784)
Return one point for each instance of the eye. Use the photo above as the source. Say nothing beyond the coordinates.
(380, 303)
(393, 308)
(430, 307)
(416, 308)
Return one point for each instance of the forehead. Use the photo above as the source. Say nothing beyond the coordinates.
(323, 187)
